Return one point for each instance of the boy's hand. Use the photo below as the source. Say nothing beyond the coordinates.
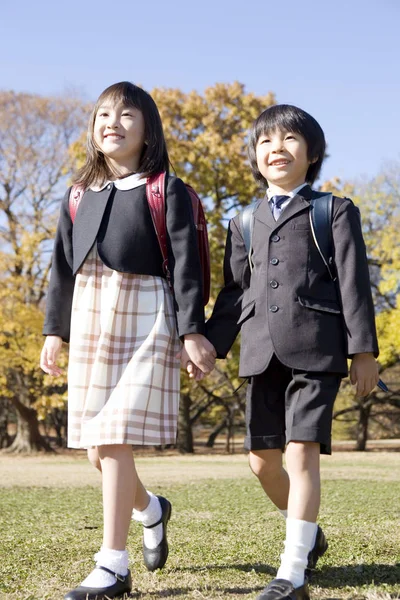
(49, 355)
(200, 351)
(364, 373)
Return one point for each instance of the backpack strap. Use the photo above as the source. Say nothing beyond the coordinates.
(155, 192)
(321, 207)
(247, 226)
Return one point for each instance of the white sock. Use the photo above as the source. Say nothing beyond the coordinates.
(300, 539)
(283, 512)
(116, 560)
(151, 514)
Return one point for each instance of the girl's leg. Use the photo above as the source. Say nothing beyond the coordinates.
(94, 459)
(120, 483)
(123, 490)
(142, 498)
(146, 509)
(267, 466)
(302, 461)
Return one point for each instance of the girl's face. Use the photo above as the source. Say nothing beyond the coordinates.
(282, 159)
(119, 132)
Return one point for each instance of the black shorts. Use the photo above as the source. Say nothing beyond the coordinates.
(285, 405)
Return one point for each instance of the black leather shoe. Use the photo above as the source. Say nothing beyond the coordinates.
(122, 586)
(320, 547)
(281, 589)
(156, 559)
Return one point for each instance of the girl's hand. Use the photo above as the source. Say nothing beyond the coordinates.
(193, 371)
(200, 352)
(49, 355)
(364, 373)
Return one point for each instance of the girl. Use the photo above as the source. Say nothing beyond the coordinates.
(109, 299)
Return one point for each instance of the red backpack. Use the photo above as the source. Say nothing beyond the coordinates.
(155, 192)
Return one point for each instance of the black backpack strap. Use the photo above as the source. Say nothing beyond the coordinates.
(247, 226)
(321, 207)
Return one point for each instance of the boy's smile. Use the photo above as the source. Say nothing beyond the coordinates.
(282, 159)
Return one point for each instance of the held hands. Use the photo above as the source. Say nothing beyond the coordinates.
(364, 373)
(49, 355)
(198, 356)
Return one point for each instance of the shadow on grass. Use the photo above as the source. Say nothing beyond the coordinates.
(355, 575)
(174, 592)
(248, 567)
(326, 577)
(330, 577)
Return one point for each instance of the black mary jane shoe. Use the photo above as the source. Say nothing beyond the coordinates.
(320, 547)
(156, 558)
(281, 589)
(122, 586)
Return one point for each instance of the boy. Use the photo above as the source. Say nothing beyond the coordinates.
(298, 329)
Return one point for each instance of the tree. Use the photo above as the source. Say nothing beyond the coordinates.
(379, 202)
(207, 142)
(36, 133)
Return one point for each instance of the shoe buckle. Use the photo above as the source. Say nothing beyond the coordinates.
(120, 578)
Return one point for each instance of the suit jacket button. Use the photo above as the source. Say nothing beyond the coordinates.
(274, 284)
(274, 308)
(274, 261)
(275, 238)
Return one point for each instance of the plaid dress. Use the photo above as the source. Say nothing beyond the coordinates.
(123, 374)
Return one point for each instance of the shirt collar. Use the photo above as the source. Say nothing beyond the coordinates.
(290, 194)
(126, 183)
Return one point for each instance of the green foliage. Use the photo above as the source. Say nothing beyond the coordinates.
(207, 141)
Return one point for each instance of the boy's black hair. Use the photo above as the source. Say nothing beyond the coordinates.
(284, 117)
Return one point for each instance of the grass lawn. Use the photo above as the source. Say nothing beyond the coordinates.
(225, 537)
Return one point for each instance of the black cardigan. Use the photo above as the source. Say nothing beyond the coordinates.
(119, 221)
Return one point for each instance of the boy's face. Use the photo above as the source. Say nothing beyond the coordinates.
(282, 159)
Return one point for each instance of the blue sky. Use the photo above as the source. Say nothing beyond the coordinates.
(339, 60)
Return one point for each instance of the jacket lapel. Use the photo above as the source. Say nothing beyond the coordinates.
(298, 203)
(87, 223)
(263, 213)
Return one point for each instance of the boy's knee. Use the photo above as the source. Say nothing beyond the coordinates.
(266, 464)
(303, 454)
(94, 459)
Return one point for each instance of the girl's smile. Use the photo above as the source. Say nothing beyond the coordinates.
(119, 132)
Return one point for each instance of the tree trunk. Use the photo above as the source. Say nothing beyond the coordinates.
(185, 433)
(28, 438)
(215, 432)
(362, 426)
(230, 432)
(4, 419)
(59, 421)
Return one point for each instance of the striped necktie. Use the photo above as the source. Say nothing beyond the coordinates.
(276, 205)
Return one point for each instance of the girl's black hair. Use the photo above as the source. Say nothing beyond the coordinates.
(284, 117)
(154, 157)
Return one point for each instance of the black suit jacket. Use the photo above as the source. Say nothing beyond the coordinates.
(288, 305)
(119, 221)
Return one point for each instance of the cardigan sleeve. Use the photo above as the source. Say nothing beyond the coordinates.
(184, 259)
(62, 281)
